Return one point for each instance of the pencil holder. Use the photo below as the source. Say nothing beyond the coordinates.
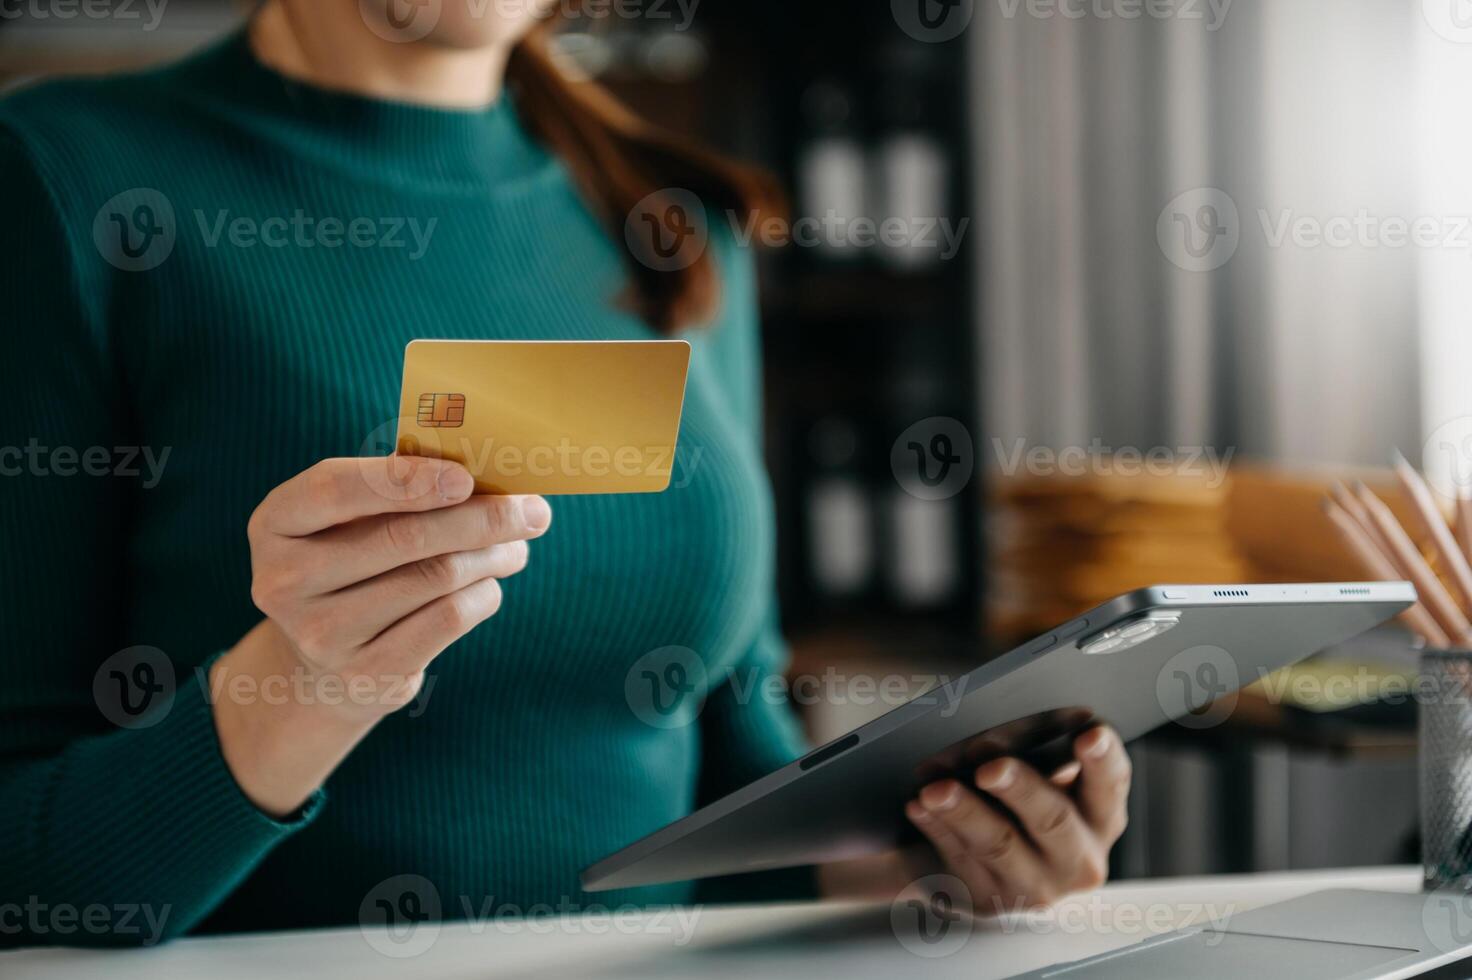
(1445, 721)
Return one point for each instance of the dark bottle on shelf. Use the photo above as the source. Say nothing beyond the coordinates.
(911, 168)
(832, 173)
(839, 512)
(931, 464)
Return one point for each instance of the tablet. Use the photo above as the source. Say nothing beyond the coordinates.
(1156, 655)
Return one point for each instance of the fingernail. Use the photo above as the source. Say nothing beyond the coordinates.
(537, 513)
(1067, 773)
(995, 776)
(455, 483)
(1100, 745)
(916, 812)
(940, 796)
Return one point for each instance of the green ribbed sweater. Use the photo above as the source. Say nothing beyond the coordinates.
(260, 328)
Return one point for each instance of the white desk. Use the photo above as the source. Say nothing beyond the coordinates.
(838, 940)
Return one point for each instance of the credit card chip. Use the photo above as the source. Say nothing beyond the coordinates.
(440, 411)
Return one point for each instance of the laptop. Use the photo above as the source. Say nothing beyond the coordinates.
(1338, 934)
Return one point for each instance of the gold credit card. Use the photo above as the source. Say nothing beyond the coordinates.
(547, 417)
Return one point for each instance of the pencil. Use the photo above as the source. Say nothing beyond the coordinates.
(1352, 505)
(1447, 549)
(1379, 567)
(1464, 521)
(1403, 553)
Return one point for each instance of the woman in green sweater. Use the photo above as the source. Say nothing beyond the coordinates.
(211, 273)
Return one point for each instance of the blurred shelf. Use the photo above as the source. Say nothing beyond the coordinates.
(861, 291)
(875, 642)
(30, 46)
(1339, 735)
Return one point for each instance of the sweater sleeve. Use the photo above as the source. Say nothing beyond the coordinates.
(747, 736)
(749, 726)
(122, 823)
(748, 729)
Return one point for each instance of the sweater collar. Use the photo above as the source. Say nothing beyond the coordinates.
(418, 143)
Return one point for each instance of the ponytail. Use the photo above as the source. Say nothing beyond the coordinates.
(618, 160)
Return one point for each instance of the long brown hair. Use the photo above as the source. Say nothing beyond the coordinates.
(618, 160)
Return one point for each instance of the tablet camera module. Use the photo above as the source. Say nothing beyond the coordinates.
(1131, 632)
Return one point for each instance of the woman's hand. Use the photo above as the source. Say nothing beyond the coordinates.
(372, 567)
(367, 569)
(1024, 840)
